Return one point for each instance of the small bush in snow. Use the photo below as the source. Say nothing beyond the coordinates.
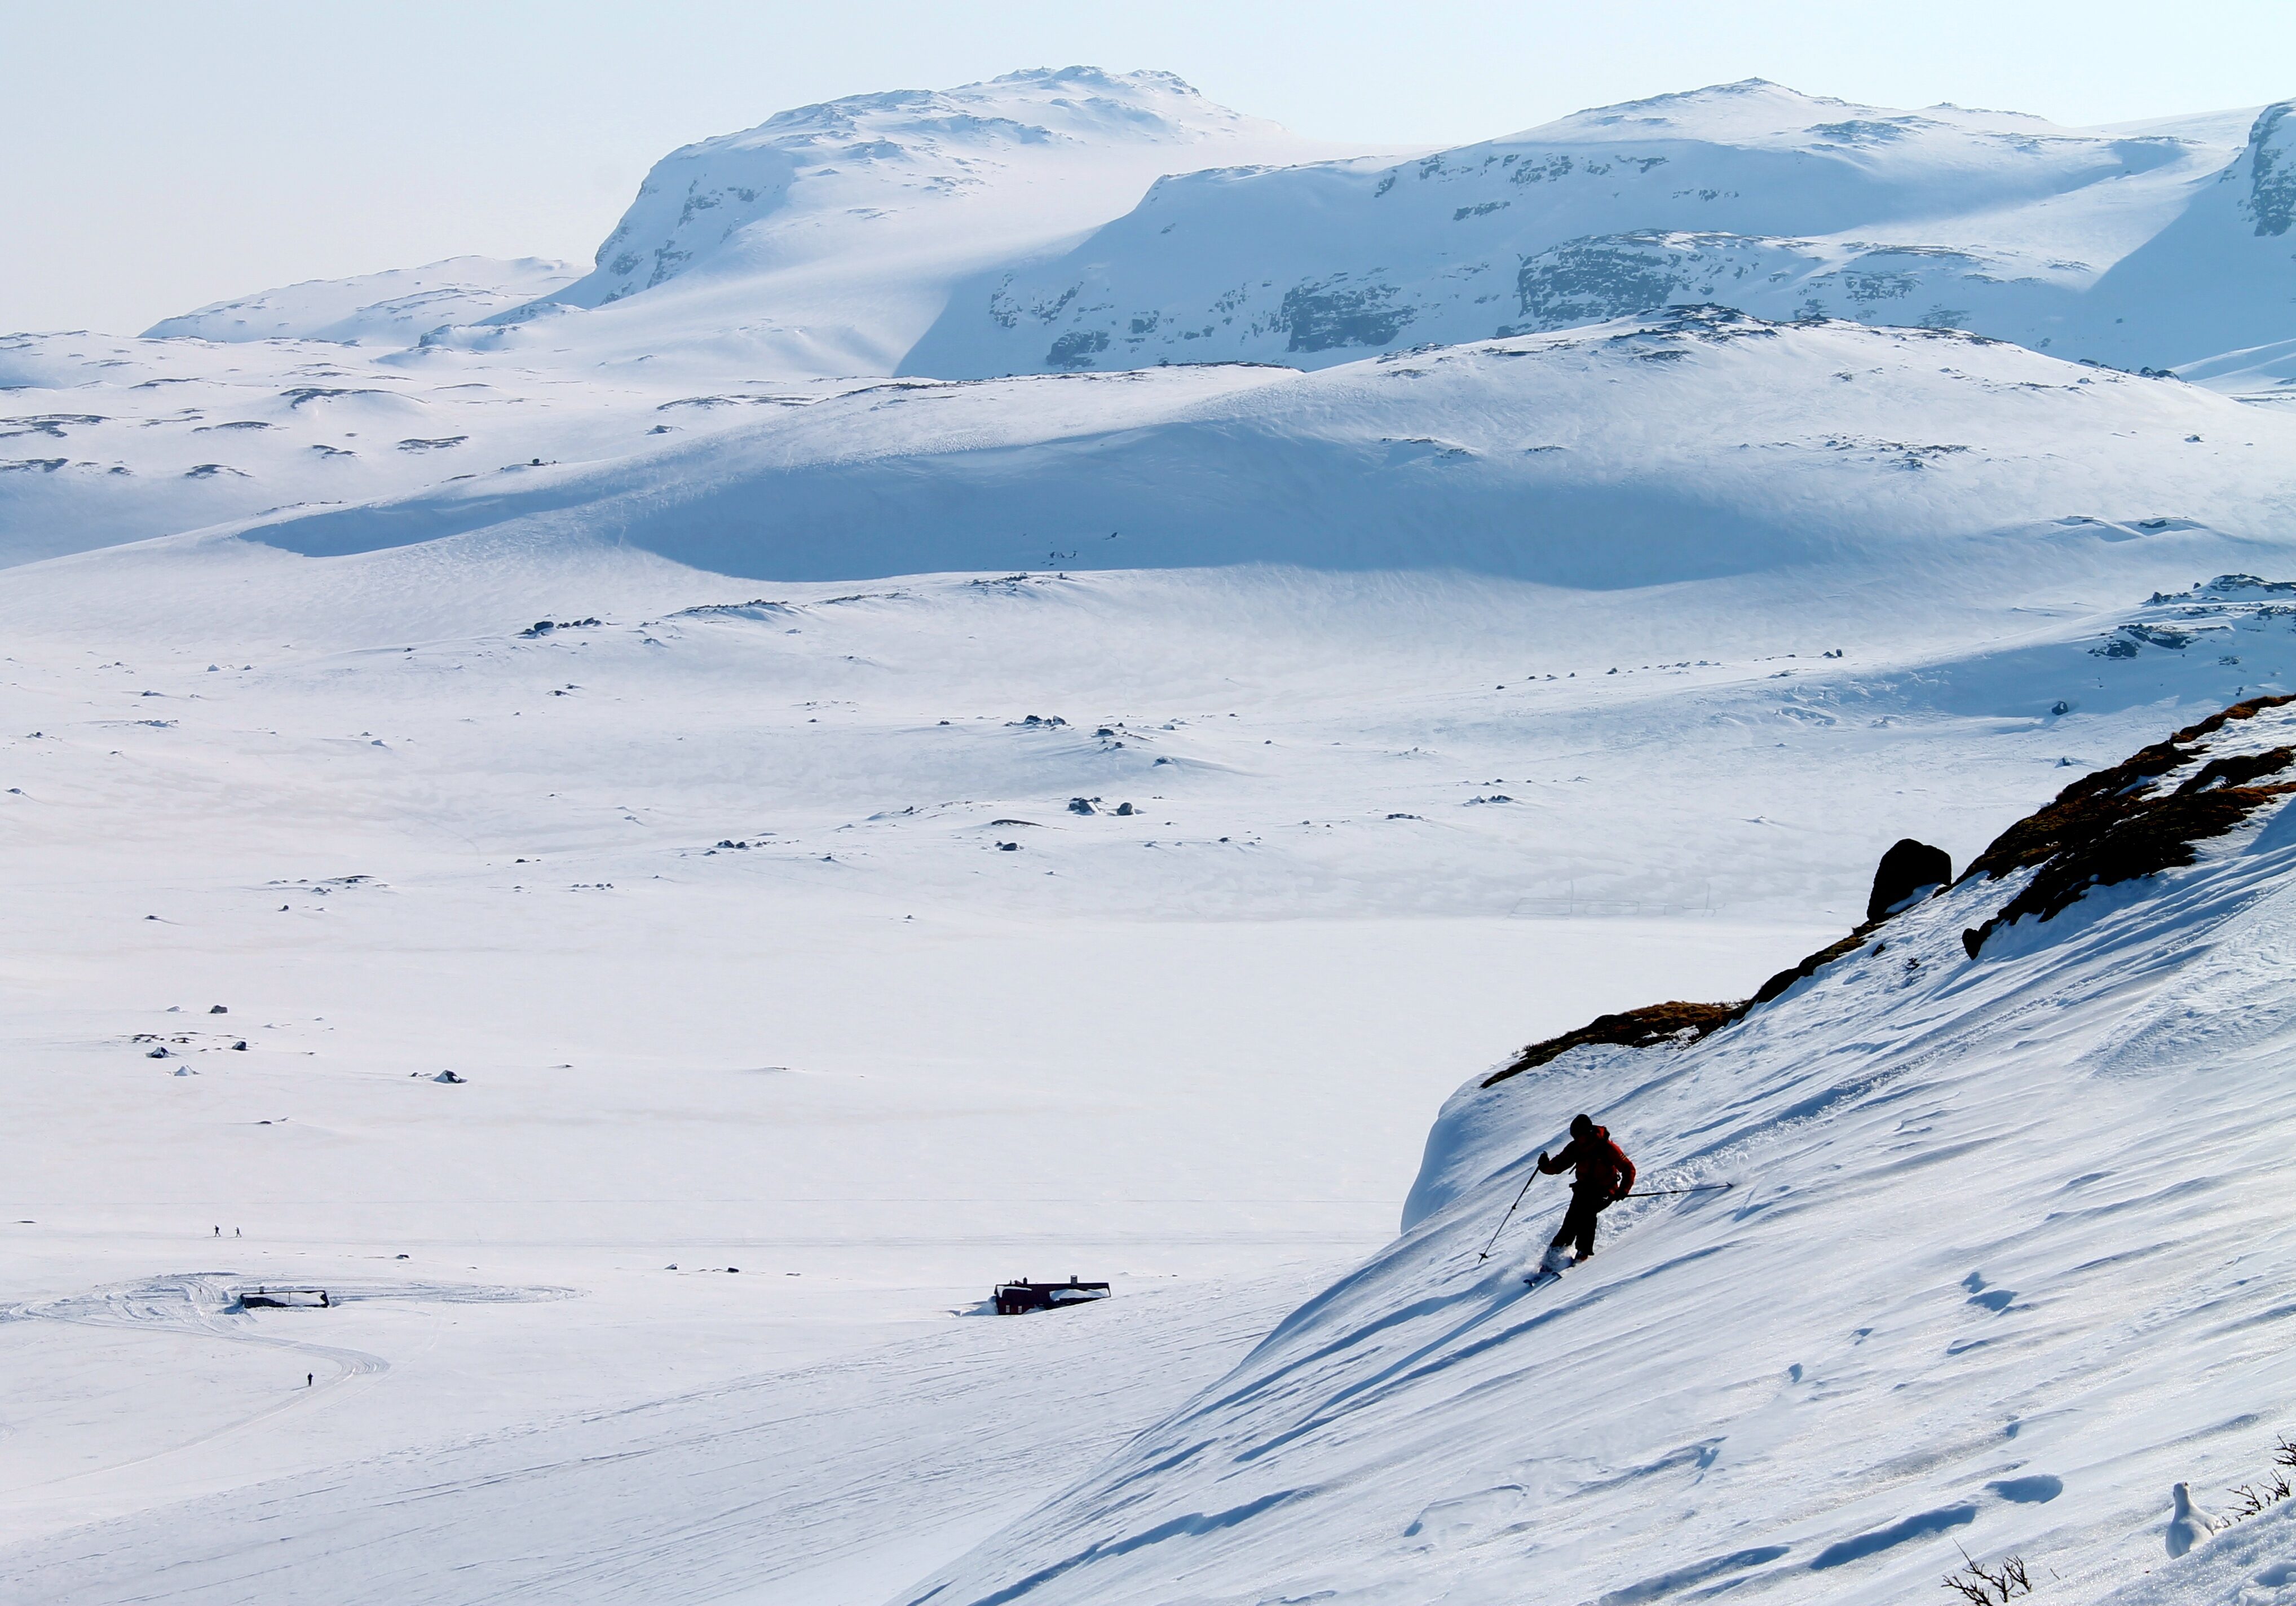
(2255, 1498)
(1990, 1587)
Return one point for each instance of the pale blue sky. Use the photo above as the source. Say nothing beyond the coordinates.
(161, 155)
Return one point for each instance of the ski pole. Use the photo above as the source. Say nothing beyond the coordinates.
(1496, 1231)
(1704, 1187)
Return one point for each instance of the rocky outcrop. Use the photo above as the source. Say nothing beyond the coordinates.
(2118, 824)
(1631, 1028)
(1905, 870)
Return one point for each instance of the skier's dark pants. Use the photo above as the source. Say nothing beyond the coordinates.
(1579, 1224)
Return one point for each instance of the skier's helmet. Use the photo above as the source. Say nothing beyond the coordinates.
(1581, 1125)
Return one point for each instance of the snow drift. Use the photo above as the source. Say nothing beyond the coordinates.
(2006, 1255)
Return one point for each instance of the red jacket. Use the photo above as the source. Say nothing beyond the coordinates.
(1604, 1167)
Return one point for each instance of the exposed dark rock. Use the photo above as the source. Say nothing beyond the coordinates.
(1322, 317)
(1630, 1028)
(1077, 348)
(1905, 870)
(1810, 966)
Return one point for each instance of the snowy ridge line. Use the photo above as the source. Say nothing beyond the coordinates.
(1788, 1386)
(1777, 203)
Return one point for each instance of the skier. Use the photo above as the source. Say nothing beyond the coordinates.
(1605, 1176)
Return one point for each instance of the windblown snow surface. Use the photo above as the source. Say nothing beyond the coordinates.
(853, 838)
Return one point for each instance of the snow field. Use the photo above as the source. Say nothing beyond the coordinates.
(870, 1048)
(901, 1071)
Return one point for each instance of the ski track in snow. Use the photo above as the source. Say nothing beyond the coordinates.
(828, 1483)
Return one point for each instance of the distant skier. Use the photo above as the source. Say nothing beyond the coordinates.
(1605, 1176)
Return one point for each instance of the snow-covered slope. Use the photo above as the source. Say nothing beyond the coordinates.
(1702, 445)
(1699, 444)
(105, 438)
(2006, 1254)
(390, 310)
(1750, 194)
(827, 240)
(2222, 276)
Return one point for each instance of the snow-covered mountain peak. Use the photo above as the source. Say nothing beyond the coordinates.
(1040, 104)
(763, 194)
(1730, 111)
(1758, 112)
(1753, 194)
(825, 241)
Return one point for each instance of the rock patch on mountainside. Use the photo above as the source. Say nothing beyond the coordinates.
(2118, 824)
(2114, 826)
